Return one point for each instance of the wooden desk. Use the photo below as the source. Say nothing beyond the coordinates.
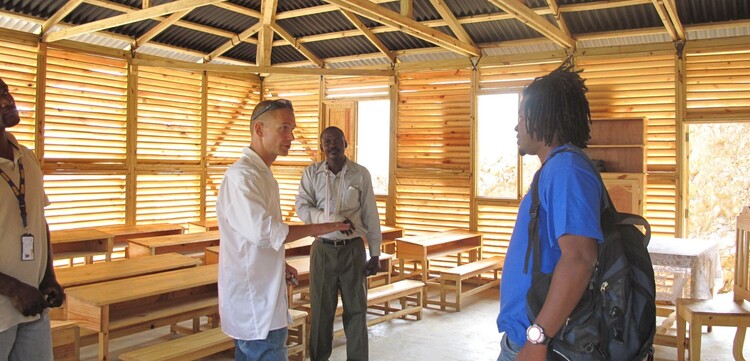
(300, 247)
(122, 232)
(141, 303)
(423, 248)
(390, 234)
(186, 243)
(110, 271)
(203, 226)
(211, 255)
(81, 242)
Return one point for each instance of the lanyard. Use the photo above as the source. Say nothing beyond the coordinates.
(19, 191)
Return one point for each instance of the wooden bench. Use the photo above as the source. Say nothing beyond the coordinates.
(213, 341)
(452, 279)
(407, 292)
(65, 340)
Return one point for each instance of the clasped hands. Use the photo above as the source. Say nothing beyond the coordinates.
(32, 301)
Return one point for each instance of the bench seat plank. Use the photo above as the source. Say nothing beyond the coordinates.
(451, 280)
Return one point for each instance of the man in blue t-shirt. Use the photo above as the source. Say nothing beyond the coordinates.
(553, 114)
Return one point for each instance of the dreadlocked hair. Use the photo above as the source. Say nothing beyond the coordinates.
(556, 107)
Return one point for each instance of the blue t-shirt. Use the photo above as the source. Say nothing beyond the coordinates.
(570, 201)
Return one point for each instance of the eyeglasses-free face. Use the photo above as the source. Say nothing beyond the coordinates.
(274, 104)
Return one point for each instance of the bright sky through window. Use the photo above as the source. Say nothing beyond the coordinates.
(373, 138)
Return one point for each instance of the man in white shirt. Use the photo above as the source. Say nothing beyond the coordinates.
(252, 272)
(27, 279)
(338, 189)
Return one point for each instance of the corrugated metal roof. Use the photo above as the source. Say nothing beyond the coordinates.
(609, 18)
(321, 23)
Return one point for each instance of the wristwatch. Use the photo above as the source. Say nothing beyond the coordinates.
(535, 335)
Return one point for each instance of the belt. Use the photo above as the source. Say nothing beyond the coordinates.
(338, 242)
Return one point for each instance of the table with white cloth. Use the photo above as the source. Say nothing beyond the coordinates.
(684, 267)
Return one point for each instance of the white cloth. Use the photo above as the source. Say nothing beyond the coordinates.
(11, 229)
(252, 284)
(327, 197)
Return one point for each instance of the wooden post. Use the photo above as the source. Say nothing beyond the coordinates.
(41, 91)
(131, 178)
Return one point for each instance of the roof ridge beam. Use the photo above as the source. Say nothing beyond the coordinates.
(127, 18)
(527, 16)
(407, 25)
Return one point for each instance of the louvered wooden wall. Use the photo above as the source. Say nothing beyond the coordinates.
(433, 157)
(160, 154)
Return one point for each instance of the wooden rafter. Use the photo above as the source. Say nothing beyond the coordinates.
(265, 37)
(60, 14)
(129, 18)
(146, 4)
(240, 10)
(407, 8)
(233, 42)
(667, 11)
(369, 35)
(453, 23)
(408, 26)
(527, 16)
(156, 30)
(558, 17)
(296, 44)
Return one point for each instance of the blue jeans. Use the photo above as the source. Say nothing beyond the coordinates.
(27, 341)
(508, 350)
(272, 348)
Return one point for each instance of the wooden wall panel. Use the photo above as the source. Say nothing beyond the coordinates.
(356, 87)
(496, 221)
(18, 70)
(718, 85)
(171, 198)
(85, 109)
(433, 151)
(640, 85)
(169, 116)
(84, 200)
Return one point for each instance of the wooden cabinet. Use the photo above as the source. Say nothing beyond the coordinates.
(621, 145)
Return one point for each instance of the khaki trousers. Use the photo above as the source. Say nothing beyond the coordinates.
(334, 269)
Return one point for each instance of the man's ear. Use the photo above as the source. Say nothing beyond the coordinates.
(258, 128)
(346, 144)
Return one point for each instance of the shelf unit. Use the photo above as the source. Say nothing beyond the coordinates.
(621, 144)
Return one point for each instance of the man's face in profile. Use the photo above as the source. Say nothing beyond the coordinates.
(8, 111)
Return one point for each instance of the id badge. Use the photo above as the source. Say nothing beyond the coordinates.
(27, 247)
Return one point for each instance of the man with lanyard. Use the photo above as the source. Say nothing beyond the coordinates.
(252, 272)
(338, 189)
(27, 280)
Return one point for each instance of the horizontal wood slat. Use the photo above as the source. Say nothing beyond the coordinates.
(168, 198)
(231, 100)
(81, 200)
(718, 86)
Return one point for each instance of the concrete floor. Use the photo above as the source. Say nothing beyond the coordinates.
(469, 335)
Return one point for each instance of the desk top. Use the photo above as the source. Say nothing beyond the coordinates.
(77, 235)
(125, 230)
(211, 224)
(302, 242)
(109, 271)
(438, 238)
(681, 246)
(176, 239)
(391, 232)
(127, 289)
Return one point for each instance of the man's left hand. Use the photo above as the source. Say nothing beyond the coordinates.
(351, 229)
(53, 292)
(373, 266)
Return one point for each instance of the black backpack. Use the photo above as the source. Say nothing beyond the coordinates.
(616, 317)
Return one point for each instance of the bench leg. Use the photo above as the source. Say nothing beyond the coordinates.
(442, 293)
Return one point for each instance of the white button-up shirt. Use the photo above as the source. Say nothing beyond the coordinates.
(252, 283)
(327, 197)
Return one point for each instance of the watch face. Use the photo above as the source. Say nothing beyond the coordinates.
(534, 333)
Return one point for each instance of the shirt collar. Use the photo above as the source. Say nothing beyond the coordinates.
(254, 158)
(323, 167)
